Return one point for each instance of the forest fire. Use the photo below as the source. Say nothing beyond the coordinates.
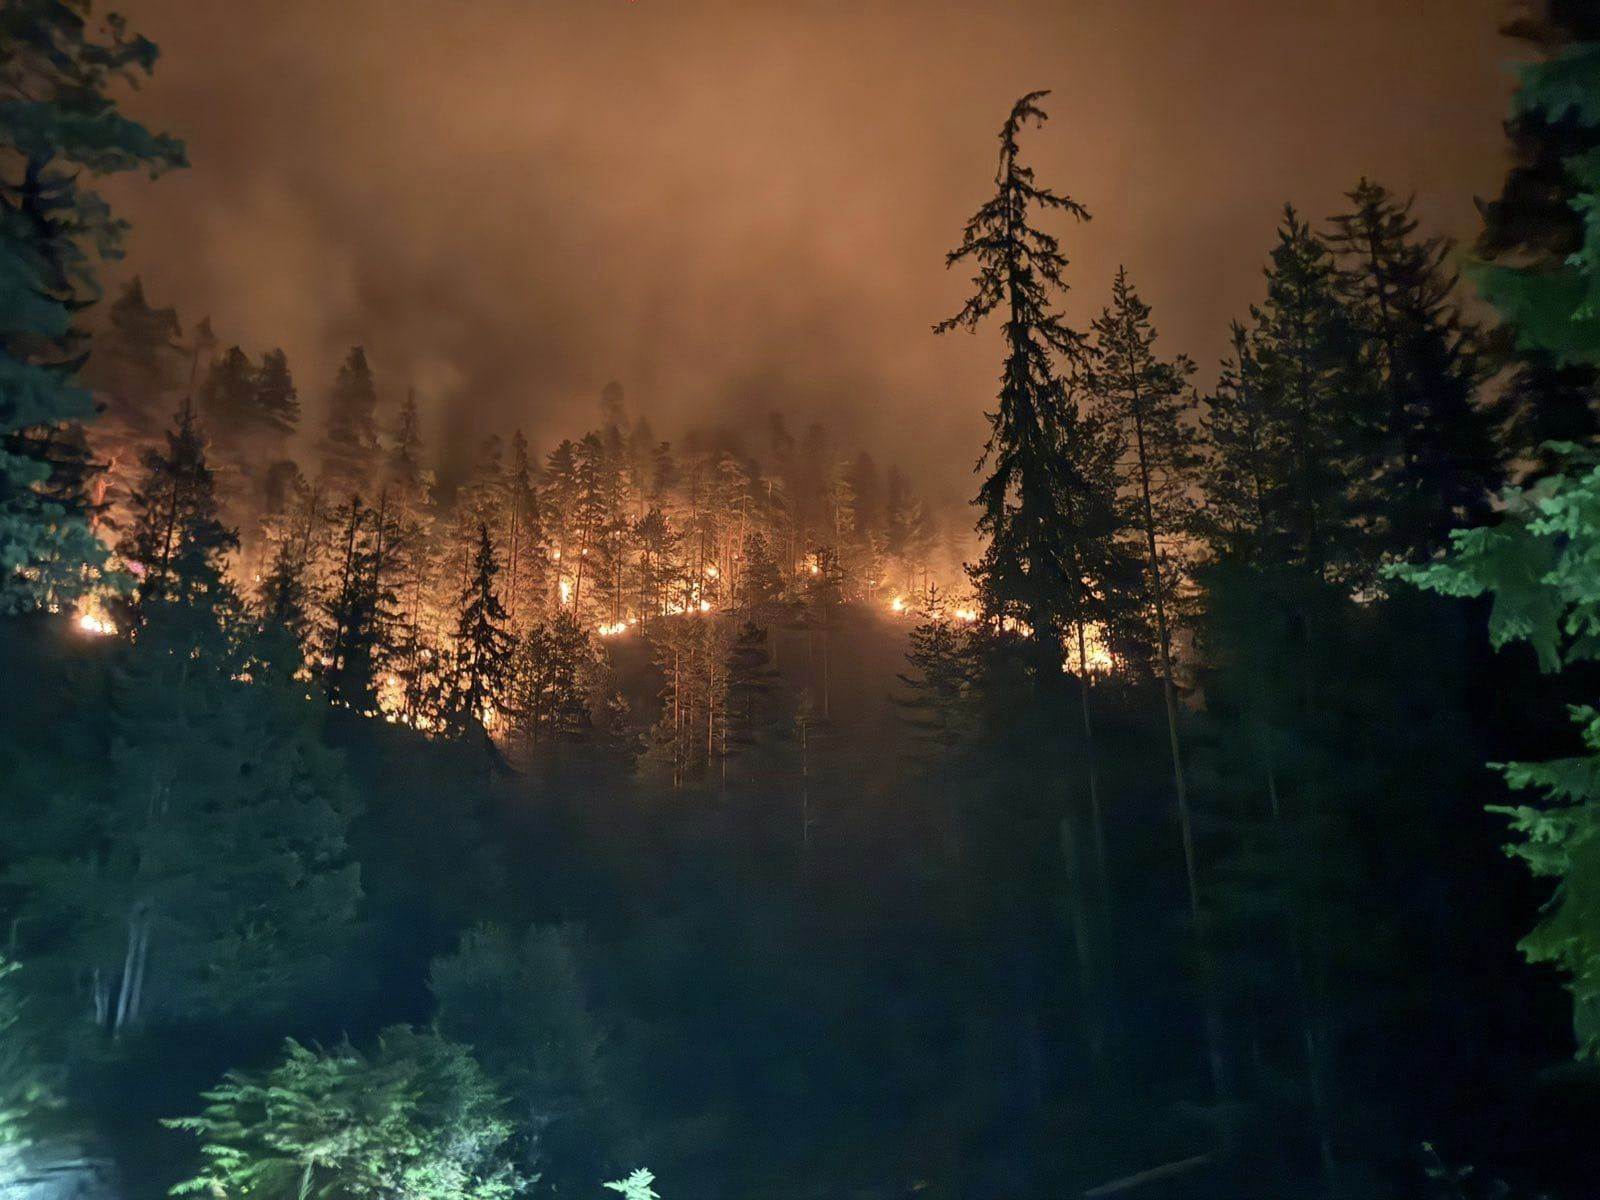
(539, 681)
(93, 620)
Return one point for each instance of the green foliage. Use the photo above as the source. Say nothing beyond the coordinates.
(415, 1118)
(1556, 310)
(25, 1087)
(519, 1003)
(1044, 506)
(201, 870)
(59, 128)
(636, 1186)
(1541, 563)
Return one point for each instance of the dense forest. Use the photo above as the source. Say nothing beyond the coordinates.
(1212, 810)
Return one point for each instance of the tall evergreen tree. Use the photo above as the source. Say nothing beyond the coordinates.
(60, 129)
(350, 434)
(483, 646)
(178, 546)
(1145, 398)
(548, 697)
(1031, 504)
(1431, 457)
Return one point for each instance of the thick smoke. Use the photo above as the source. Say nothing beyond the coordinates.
(735, 207)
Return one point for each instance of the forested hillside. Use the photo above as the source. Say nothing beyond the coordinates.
(706, 809)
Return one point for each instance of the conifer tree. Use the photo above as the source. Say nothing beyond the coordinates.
(548, 698)
(1431, 459)
(1303, 353)
(350, 434)
(27, 1091)
(483, 647)
(524, 564)
(137, 364)
(1144, 398)
(60, 129)
(201, 872)
(178, 545)
(1531, 229)
(659, 564)
(277, 401)
(228, 401)
(1536, 561)
(755, 717)
(1031, 503)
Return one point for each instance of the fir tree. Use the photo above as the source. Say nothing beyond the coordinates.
(178, 546)
(483, 647)
(1144, 398)
(1431, 459)
(277, 401)
(1030, 504)
(548, 698)
(60, 129)
(350, 435)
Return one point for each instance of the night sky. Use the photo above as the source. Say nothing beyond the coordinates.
(733, 206)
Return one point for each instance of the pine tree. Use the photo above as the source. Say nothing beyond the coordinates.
(1032, 500)
(1144, 398)
(548, 698)
(277, 401)
(178, 547)
(60, 129)
(350, 435)
(1431, 458)
(659, 564)
(1531, 229)
(755, 713)
(524, 562)
(136, 364)
(483, 647)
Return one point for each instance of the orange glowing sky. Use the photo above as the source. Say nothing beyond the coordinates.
(736, 205)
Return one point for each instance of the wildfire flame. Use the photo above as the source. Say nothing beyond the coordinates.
(93, 621)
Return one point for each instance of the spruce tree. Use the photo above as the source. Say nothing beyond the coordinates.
(1038, 494)
(1431, 460)
(277, 401)
(1144, 398)
(178, 546)
(548, 696)
(350, 432)
(137, 364)
(483, 646)
(60, 129)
